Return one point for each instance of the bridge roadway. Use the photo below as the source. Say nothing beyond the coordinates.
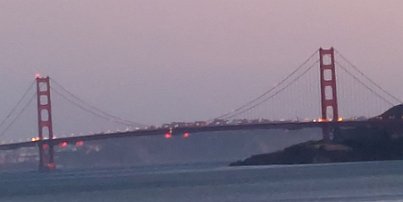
(390, 124)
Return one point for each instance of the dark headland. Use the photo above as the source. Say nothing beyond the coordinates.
(348, 145)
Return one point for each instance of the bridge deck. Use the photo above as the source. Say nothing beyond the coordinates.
(393, 124)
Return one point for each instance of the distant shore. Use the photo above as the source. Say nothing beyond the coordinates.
(348, 145)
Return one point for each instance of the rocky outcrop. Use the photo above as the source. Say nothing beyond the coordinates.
(320, 152)
(348, 145)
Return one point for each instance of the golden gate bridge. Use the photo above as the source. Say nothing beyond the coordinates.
(292, 96)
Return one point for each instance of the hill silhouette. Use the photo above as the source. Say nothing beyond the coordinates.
(348, 145)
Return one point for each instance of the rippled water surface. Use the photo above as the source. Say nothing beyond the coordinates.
(373, 181)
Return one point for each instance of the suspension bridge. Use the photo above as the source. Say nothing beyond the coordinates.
(338, 95)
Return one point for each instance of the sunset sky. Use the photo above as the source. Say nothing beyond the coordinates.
(155, 61)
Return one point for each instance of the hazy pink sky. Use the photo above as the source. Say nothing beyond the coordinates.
(154, 61)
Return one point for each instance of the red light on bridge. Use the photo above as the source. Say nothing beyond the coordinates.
(186, 135)
(51, 166)
(168, 135)
(63, 144)
(322, 120)
(80, 143)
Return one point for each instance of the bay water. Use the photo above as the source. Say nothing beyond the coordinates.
(209, 182)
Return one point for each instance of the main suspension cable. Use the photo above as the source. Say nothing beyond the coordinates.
(369, 79)
(364, 84)
(301, 66)
(275, 94)
(18, 115)
(92, 108)
(17, 105)
(80, 106)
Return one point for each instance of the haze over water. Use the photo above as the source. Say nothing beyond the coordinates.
(160, 61)
(157, 61)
